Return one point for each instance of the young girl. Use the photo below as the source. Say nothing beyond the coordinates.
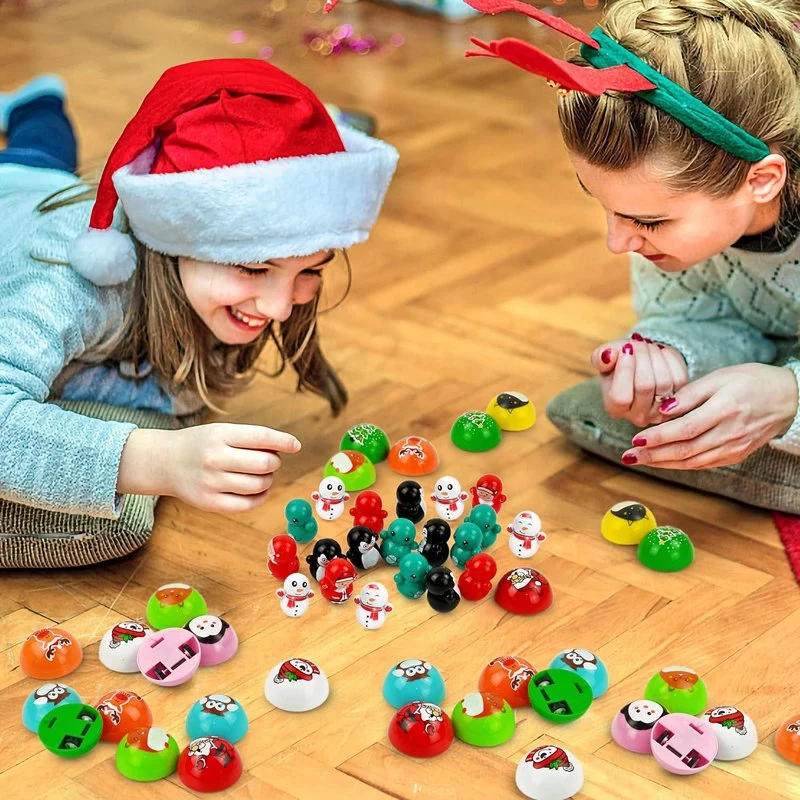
(682, 119)
(235, 188)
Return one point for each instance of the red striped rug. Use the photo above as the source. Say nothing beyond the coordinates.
(789, 531)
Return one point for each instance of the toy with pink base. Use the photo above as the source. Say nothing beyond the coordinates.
(683, 744)
(368, 511)
(449, 498)
(330, 498)
(526, 534)
(295, 596)
(372, 606)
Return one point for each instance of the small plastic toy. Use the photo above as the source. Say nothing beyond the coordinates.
(421, 730)
(633, 723)
(549, 773)
(526, 534)
(217, 715)
(398, 541)
(330, 498)
(300, 522)
(666, 549)
(679, 690)
(410, 502)
(683, 744)
(217, 638)
(485, 517)
(169, 657)
(411, 579)
(147, 754)
(448, 498)
(413, 679)
(475, 432)
(325, 550)
(122, 712)
(488, 491)
(173, 605)
(559, 695)
(442, 593)
(484, 720)
(209, 764)
(627, 523)
(369, 511)
(296, 685)
(355, 470)
(508, 677)
(467, 542)
(475, 582)
(787, 739)
(586, 664)
(367, 439)
(43, 700)
(282, 558)
(434, 542)
(523, 591)
(337, 581)
(295, 596)
(119, 646)
(372, 606)
(362, 547)
(50, 653)
(71, 730)
(512, 411)
(736, 733)
(413, 456)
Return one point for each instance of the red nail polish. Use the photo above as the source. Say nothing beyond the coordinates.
(640, 441)
(660, 346)
(637, 337)
(605, 356)
(667, 405)
(649, 341)
(629, 458)
(627, 348)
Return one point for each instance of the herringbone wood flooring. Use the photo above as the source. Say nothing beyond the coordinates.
(486, 272)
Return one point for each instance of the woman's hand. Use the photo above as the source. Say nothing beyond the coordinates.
(723, 417)
(636, 375)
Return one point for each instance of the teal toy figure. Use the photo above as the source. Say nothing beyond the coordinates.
(467, 542)
(369, 440)
(485, 517)
(300, 522)
(398, 541)
(410, 580)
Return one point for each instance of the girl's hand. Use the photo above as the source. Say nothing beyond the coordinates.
(723, 417)
(635, 375)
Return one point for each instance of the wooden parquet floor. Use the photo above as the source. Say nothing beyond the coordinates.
(486, 272)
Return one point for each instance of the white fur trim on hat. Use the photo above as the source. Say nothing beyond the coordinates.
(104, 257)
(248, 213)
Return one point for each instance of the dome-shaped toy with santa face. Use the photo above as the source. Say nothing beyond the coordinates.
(633, 723)
(421, 730)
(147, 754)
(413, 679)
(679, 689)
(549, 772)
(42, 700)
(120, 644)
(736, 733)
(217, 638)
(50, 653)
(508, 677)
(296, 685)
(586, 664)
(217, 715)
(122, 712)
(173, 605)
(523, 591)
(484, 720)
(209, 764)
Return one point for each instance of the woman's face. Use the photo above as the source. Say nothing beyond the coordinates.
(236, 302)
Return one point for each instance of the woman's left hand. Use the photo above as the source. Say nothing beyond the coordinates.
(722, 418)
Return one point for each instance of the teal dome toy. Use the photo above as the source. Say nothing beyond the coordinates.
(475, 432)
(367, 439)
(217, 715)
(467, 542)
(586, 664)
(410, 579)
(44, 699)
(485, 517)
(300, 522)
(413, 680)
(354, 469)
(398, 541)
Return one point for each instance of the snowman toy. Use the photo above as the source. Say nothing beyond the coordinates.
(372, 606)
(526, 534)
(295, 595)
(330, 498)
(449, 498)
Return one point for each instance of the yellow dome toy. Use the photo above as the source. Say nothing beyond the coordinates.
(512, 411)
(627, 522)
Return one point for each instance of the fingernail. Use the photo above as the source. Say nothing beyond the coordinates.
(629, 458)
(640, 441)
(649, 341)
(667, 405)
(297, 445)
(605, 356)
(637, 337)
(660, 346)
(627, 348)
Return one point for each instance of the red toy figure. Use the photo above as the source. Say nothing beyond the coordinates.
(476, 580)
(488, 491)
(282, 558)
(337, 582)
(369, 511)
(524, 591)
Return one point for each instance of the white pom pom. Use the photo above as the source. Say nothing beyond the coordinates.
(104, 257)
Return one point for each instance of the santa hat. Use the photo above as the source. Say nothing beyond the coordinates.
(236, 162)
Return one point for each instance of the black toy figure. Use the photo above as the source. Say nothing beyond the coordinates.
(442, 594)
(324, 551)
(410, 503)
(362, 547)
(434, 546)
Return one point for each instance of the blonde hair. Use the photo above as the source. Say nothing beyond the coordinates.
(740, 57)
(161, 327)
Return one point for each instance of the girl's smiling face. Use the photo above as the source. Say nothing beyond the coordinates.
(678, 230)
(236, 302)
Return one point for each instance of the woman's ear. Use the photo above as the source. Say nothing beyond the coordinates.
(766, 178)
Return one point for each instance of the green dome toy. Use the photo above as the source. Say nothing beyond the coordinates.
(71, 730)
(173, 605)
(484, 720)
(147, 754)
(679, 689)
(367, 439)
(475, 432)
(559, 695)
(354, 469)
(666, 549)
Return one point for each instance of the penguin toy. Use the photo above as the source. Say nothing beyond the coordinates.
(410, 501)
(434, 546)
(324, 551)
(362, 549)
(442, 592)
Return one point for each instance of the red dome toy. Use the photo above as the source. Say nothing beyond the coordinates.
(421, 730)
(122, 712)
(282, 560)
(209, 764)
(524, 591)
(368, 510)
(476, 580)
(50, 653)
